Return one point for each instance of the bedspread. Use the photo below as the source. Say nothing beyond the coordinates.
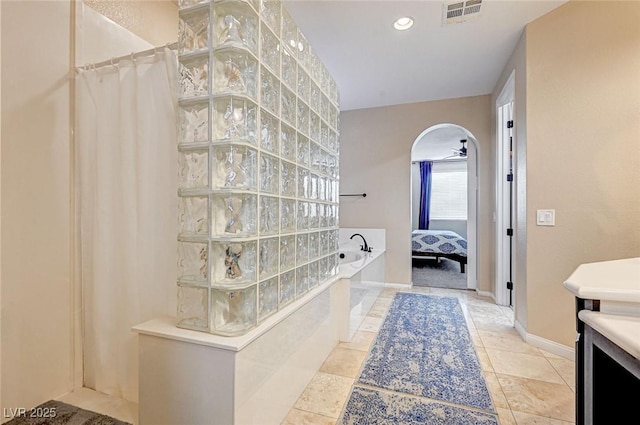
(438, 242)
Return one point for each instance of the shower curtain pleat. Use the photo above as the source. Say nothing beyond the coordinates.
(126, 137)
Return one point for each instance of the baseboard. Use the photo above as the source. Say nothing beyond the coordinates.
(545, 344)
(487, 294)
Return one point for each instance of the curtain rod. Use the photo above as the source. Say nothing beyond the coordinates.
(113, 61)
(440, 160)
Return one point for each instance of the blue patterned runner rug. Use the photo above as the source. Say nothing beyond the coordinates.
(421, 369)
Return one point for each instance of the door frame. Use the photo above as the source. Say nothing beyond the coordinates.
(505, 201)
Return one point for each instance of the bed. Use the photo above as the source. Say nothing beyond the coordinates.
(439, 244)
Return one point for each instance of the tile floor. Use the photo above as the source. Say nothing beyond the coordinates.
(528, 385)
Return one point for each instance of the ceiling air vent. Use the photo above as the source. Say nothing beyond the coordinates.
(461, 11)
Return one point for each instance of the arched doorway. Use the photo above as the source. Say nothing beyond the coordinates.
(441, 146)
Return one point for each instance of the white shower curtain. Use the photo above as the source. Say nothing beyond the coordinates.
(126, 142)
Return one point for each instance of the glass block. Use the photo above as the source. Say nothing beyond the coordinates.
(233, 312)
(324, 269)
(182, 4)
(303, 118)
(289, 70)
(333, 116)
(288, 106)
(315, 97)
(193, 307)
(192, 215)
(287, 215)
(304, 86)
(302, 280)
(234, 119)
(236, 24)
(289, 33)
(302, 155)
(234, 214)
(304, 51)
(233, 263)
(333, 240)
(270, 12)
(270, 50)
(333, 141)
(193, 169)
(192, 262)
(322, 188)
(287, 287)
(314, 127)
(269, 217)
(193, 30)
(268, 258)
(193, 78)
(288, 142)
(315, 157)
(314, 219)
(302, 217)
(287, 252)
(314, 245)
(322, 216)
(333, 92)
(269, 131)
(303, 183)
(235, 71)
(326, 78)
(324, 108)
(325, 166)
(314, 193)
(324, 242)
(287, 179)
(302, 248)
(324, 135)
(269, 173)
(314, 278)
(267, 298)
(270, 94)
(193, 123)
(235, 167)
(316, 68)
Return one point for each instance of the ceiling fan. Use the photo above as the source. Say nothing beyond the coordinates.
(459, 153)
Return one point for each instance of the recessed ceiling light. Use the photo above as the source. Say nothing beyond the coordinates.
(403, 23)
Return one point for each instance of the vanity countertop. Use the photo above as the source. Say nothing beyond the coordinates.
(616, 280)
(624, 331)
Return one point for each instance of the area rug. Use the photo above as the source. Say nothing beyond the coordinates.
(58, 413)
(373, 406)
(444, 273)
(423, 349)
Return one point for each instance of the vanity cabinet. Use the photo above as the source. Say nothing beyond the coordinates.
(608, 340)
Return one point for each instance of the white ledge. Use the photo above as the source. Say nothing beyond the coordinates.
(617, 280)
(165, 327)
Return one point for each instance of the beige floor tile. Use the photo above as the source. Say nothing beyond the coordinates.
(507, 341)
(483, 357)
(300, 417)
(523, 365)
(505, 417)
(546, 399)
(529, 419)
(379, 310)
(344, 362)
(361, 340)
(371, 324)
(566, 369)
(499, 400)
(389, 292)
(325, 395)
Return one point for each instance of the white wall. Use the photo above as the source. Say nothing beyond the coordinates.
(36, 275)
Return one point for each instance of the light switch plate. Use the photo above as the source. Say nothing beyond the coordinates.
(546, 217)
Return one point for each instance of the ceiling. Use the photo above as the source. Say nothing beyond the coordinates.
(376, 65)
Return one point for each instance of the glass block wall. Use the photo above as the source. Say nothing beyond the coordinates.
(258, 165)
